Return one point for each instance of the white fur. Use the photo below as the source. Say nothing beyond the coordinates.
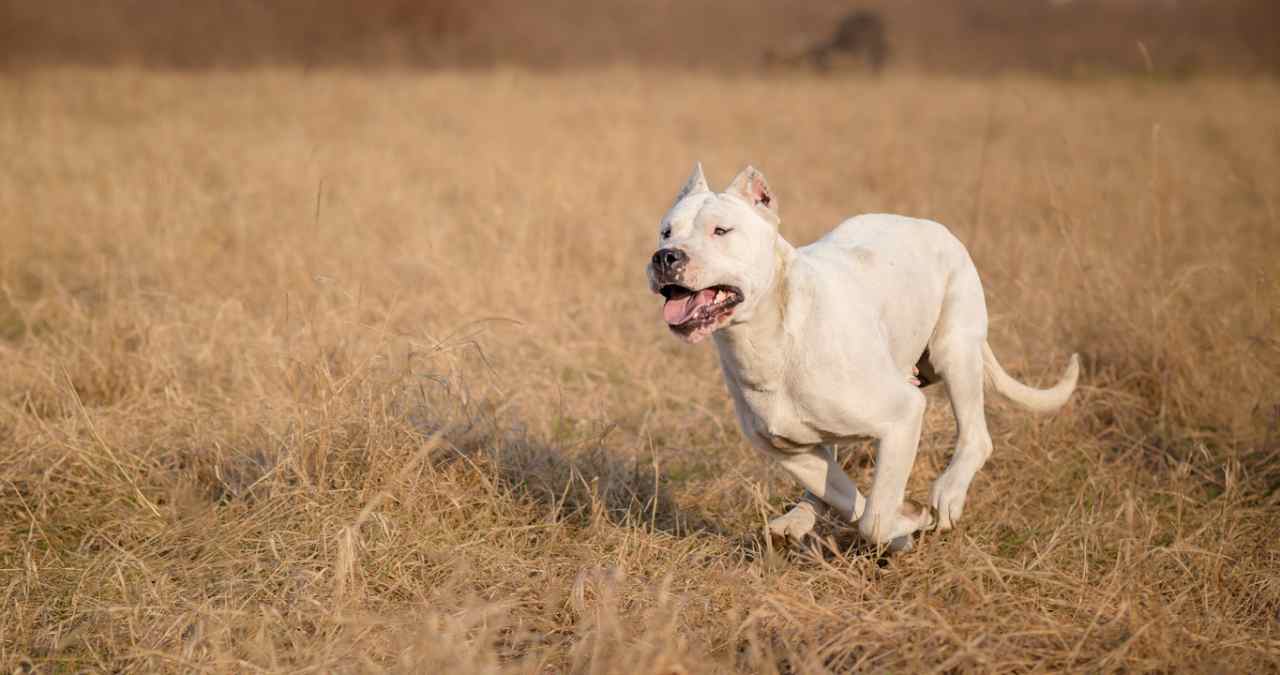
(822, 348)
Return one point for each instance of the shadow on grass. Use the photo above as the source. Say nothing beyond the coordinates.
(628, 492)
(593, 482)
(582, 484)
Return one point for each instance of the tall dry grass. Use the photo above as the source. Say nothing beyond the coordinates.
(344, 373)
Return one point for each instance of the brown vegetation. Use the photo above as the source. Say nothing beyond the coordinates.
(1070, 38)
(359, 373)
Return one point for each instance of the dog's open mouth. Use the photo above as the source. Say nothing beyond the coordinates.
(694, 315)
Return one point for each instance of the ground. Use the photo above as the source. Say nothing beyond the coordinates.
(346, 372)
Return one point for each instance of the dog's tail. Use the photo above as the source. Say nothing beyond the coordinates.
(1035, 400)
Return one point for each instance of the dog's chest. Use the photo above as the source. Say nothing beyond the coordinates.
(772, 421)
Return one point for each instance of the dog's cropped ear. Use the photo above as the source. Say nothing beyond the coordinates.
(696, 183)
(751, 186)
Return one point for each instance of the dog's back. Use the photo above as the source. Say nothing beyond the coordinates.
(891, 242)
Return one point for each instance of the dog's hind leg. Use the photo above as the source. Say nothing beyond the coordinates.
(963, 379)
(956, 352)
(823, 480)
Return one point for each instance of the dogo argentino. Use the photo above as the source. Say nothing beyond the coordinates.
(817, 345)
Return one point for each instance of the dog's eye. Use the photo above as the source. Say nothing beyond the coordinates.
(666, 232)
(721, 231)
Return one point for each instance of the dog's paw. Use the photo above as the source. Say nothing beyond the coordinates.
(947, 499)
(794, 524)
(901, 544)
(895, 534)
(914, 518)
(919, 517)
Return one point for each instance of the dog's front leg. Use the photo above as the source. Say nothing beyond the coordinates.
(888, 519)
(823, 479)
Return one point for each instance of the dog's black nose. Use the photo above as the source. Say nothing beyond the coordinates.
(668, 259)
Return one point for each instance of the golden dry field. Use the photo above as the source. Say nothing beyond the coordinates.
(336, 372)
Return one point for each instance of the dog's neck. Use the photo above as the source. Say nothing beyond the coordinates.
(748, 347)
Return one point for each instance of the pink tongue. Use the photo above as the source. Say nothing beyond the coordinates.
(678, 310)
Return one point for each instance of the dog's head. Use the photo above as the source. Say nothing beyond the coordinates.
(716, 253)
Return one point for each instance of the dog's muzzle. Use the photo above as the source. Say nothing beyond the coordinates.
(668, 264)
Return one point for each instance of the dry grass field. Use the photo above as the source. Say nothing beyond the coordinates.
(1061, 38)
(325, 372)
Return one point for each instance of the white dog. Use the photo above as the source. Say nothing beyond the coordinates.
(818, 344)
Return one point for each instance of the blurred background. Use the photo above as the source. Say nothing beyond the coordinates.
(1068, 38)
